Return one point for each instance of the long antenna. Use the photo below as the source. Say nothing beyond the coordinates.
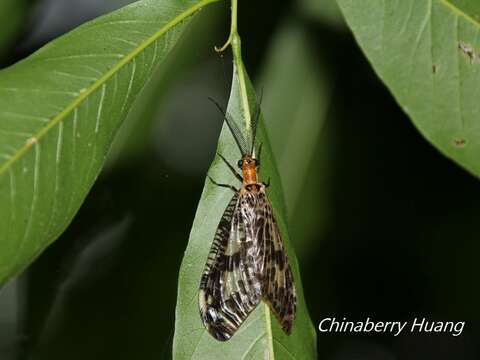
(236, 133)
(256, 119)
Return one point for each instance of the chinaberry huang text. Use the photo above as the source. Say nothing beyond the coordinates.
(420, 325)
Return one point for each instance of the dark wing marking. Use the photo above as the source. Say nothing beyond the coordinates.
(229, 289)
(247, 263)
(278, 288)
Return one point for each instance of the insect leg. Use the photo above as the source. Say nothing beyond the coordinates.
(224, 185)
(267, 184)
(232, 169)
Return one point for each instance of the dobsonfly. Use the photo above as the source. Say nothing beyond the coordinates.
(247, 262)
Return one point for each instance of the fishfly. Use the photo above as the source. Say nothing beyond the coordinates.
(247, 262)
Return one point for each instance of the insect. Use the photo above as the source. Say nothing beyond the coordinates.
(247, 262)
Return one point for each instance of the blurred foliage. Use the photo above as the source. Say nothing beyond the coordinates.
(125, 307)
(13, 14)
(325, 11)
(9, 320)
(297, 92)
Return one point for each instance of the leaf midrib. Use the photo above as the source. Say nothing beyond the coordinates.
(460, 12)
(269, 331)
(246, 109)
(244, 95)
(98, 83)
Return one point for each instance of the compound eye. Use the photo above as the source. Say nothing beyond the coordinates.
(240, 163)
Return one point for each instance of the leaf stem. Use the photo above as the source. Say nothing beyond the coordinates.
(233, 27)
(235, 42)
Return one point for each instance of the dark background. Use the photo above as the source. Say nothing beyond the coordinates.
(401, 239)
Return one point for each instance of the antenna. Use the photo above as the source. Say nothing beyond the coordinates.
(256, 118)
(236, 133)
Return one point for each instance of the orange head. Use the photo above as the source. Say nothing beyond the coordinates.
(246, 144)
(249, 166)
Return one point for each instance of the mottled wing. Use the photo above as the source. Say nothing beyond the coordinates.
(278, 288)
(229, 289)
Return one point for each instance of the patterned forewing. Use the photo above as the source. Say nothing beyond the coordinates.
(278, 288)
(229, 288)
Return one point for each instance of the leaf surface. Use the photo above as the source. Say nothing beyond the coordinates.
(137, 131)
(59, 111)
(260, 337)
(428, 54)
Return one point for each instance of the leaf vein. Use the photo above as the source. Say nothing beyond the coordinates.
(254, 342)
(284, 348)
(74, 76)
(130, 85)
(100, 108)
(124, 61)
(28, 227)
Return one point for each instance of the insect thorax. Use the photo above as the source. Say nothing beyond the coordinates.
(252, 188)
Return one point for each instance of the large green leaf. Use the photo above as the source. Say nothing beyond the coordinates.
(59, 111)
(260, 336)
(135, 135)
(427, 53)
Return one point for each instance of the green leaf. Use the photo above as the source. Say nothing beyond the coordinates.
(136, 131)
(260, 336)
(12, 14)
(427, 53)
(472, 8)
(297, 95)
(59, 112)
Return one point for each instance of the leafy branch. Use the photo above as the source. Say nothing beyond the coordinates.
(261, 335)
(236, 43)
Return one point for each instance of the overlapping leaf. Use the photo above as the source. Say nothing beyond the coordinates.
(428, 54)
(59, 111)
